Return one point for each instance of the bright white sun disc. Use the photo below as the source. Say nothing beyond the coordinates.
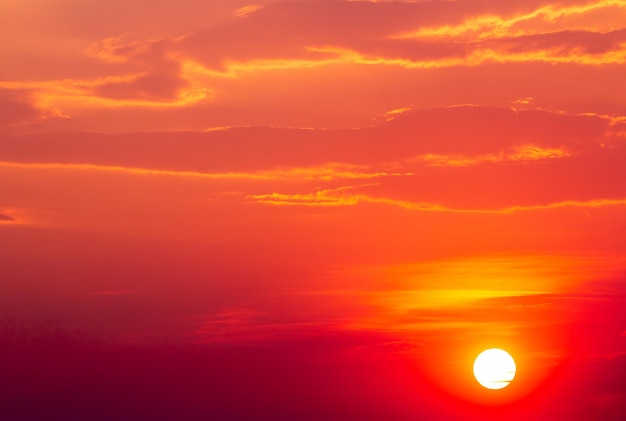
(494, 368)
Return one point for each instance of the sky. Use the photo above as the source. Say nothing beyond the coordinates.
(295, 210)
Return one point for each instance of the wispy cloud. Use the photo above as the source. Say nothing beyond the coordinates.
(6, 218)
(339, 197)
(17, 108)
(525, 153)
(323, 173)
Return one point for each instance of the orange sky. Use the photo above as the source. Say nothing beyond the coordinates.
(328, 207)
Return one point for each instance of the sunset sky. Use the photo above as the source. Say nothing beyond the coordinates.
(312, 210)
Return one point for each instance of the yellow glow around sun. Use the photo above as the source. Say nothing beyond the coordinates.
(494, 368)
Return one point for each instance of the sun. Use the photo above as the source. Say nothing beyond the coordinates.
(494, 368)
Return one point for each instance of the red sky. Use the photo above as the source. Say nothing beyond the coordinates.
(312, 210)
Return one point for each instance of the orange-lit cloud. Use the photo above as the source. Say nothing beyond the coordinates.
(447, 45)
(61, 99)
(188, 69)
(551, 17)
(418, 50)
(325, 173)
(497, 171)
(521, 153)
(336, 197)
(17, 109)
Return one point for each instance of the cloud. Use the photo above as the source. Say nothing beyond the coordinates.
(566, 43)
(527, 18)
(335, 197)
(464, 130)
(325, 173)
(16, 109)
(525, 153)
(225, 72)
(464, 159)
(4, 218)
(286, 34)
(296, 26)
(316, 32)
(160, 77)
(136, 74)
